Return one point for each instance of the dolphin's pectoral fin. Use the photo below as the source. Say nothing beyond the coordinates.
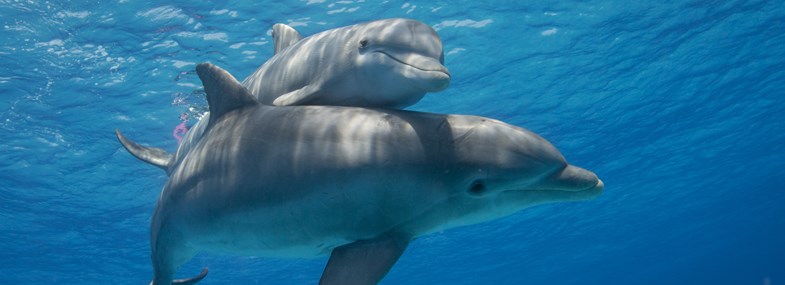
(297, 97)
(363, 262)
(284, 36)
(168, 251)
(151, 155)
(192, 280)
(224, 92)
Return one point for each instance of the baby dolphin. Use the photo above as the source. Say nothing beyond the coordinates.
(387, 63)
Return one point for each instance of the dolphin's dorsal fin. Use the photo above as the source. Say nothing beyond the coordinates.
(151, 155)
(224, 92)
(363, 262)
(284, 36)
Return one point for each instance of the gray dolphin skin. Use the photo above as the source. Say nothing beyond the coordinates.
(354, 183)
(387, 63)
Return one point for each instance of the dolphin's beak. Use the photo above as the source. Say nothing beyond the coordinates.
(570, 184)
(572, 179)
(428, 68)
(421, 62)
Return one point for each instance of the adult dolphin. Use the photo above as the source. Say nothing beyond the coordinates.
(387, 63)
(358, 184)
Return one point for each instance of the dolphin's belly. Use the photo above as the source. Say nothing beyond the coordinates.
(283, 234)
(242, 240)
(308, 226)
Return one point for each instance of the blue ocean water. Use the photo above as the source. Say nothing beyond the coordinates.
(679, 106)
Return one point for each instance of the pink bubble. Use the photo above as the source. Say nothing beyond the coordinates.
(180, 130)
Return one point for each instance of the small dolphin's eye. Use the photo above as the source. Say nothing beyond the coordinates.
(477, 188)
(363, 43)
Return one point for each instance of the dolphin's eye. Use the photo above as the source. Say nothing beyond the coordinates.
(477, 188)
(363, 43)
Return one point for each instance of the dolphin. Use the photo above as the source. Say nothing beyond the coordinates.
(387, 63)
(356, 184)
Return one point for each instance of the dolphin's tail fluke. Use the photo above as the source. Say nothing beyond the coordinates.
(151, 155)
(192, 280)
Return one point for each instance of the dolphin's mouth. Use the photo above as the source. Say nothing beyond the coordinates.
(427, 71)
(598, 186)
(557, 194)
(419, 62)
(571, 183)
(572, 179)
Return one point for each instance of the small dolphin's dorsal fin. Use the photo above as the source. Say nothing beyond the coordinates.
(363, 262)
(284, 36)
(151, 155)
(224, 92)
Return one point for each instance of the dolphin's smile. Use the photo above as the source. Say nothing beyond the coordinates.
(569, 183)
(422, 63)
(555, 195)
(598, 186)
(428, 71)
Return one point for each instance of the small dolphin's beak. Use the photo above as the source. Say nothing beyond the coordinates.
(418, 61)
(423, 63)
(427, 68)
